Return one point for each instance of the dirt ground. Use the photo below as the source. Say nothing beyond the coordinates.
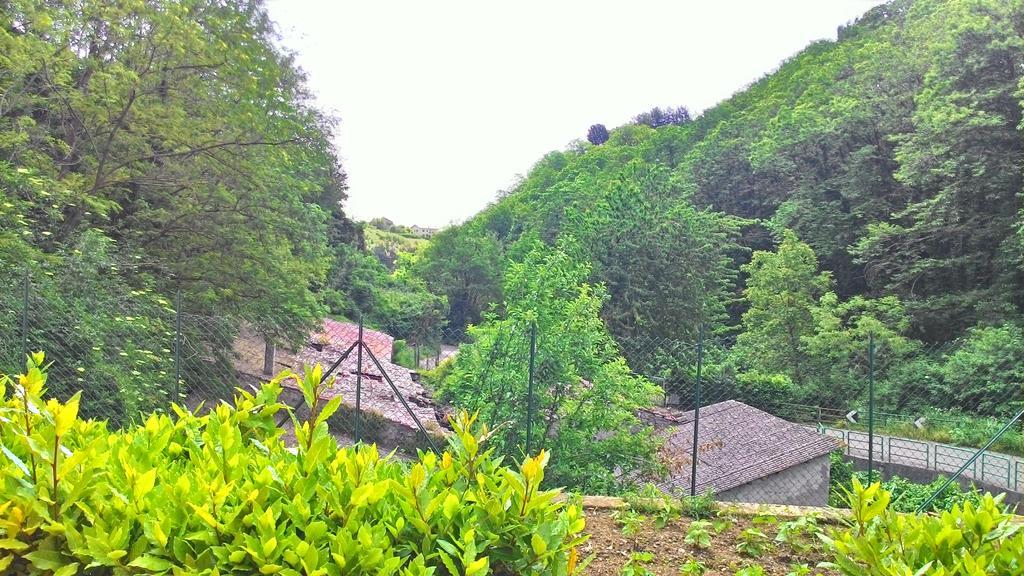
(612, 548)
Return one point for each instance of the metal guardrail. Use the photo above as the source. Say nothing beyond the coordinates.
(1002, 470)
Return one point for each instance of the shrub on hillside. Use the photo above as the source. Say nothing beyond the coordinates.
(220, 493)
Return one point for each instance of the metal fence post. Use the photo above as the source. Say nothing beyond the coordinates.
(24, 315)
(871, 407)
(529, 387)
(359, 382)
(177, 346)
(696, 410)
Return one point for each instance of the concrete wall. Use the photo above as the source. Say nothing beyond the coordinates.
(803, 485)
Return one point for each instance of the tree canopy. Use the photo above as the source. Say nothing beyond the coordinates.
(893, 152)
(179, 131)
(584, 395)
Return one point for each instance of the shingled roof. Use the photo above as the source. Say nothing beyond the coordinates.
(343, 334)
(325, 347)
(736, 445)
(376, 395)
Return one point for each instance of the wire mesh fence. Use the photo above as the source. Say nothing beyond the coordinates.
(139, 355)
(690, 417)
(918, 414)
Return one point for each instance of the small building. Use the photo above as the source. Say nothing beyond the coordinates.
(380, 401)
(743, 455)
(388, 411)
(343, 334)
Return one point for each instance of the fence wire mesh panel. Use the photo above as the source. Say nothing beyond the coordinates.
(133, 357)
(911, 415)
(711, 414)
(120, 355)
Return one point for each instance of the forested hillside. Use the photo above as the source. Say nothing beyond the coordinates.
(852, 217)
(894, 153)
(847, 230)
(388, 242)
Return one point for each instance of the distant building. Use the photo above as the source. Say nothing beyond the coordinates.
(344, 334)
(423, 231)
(394, 421)
(744, 455)
(389, 411)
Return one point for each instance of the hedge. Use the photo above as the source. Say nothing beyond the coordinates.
(221, 493)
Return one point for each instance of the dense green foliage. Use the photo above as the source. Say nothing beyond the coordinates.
(222, 494)
(164, 148)
(179, 131)
(396, 302)
(974, 539)
(465, 269)
(150, 149)
(869, 186)
(905, 495)
(584, 394)
(119, 343)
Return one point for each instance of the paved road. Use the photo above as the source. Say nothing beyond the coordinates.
(997, 469)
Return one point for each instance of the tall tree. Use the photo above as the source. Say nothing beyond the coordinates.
(952, 252)
(656, 117)
(584, 394)
(666, 265)
(181, 132)
(597, 134)
(465, 267)
(782, 290)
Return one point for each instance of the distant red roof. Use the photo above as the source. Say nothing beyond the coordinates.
(377, 394)
(341, 335)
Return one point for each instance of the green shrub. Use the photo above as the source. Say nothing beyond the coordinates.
(115, 335)
(799, 534)
(403, 355)
(985, 373)
(699, 507)
(764, 390)
(631, 521)
(798, 569)
(222, 494)
(907, 495)
(753, 542)
(648, 499)
(699, 534)
(974, 539)
(584, 395)
(840, 474)
(433, 377)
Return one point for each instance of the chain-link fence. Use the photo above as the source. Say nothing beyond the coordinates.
(690, 417)
(914, 414)
(139, 354)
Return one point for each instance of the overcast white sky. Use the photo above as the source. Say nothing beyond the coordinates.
(442, 103)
